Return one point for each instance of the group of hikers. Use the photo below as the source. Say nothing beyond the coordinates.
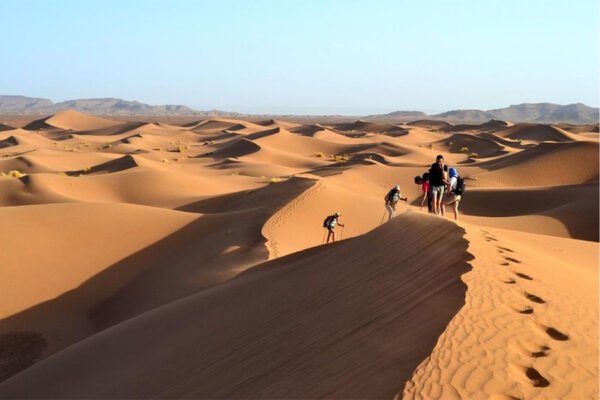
(437, 184)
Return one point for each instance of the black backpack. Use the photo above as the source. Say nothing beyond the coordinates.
(460, 186)
(393, 196)
(327, 221)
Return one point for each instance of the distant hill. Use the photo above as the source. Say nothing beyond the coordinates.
(528, 112)
(547, 113)
(104, 106)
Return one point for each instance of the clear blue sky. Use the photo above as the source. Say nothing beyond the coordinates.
(317, 57)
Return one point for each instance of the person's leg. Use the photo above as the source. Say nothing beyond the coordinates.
(329, 232)
(391, 211)
(429, 203)
(456, 203)
(434, 197)
(441, 200)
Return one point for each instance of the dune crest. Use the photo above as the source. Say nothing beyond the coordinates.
(209, 234)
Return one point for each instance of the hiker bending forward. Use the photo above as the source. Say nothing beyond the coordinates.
(330, 223)
(391, 199)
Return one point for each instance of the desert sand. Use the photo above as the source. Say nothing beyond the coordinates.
(185, 259)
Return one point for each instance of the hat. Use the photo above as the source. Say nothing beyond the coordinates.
(337, 214)
(453, 172)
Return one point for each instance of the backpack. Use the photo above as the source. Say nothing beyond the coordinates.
(393, 196)
(327, 221)
(460, 186)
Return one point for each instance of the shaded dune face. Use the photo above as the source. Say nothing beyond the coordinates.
(208, 233)
(280, 338)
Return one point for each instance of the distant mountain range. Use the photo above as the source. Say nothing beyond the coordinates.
(528, 112)
(104, 106)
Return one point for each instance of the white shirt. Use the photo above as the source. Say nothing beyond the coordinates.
(453, 182)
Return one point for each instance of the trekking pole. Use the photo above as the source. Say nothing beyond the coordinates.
(383, 216)
(324, 234)
(342, 234)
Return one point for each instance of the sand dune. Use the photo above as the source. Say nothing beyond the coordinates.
(430, 124)
(486, 126)
(572, 206)
(468, 144)
(548, 164)
(535, 132)
(365, 126)
(74, 120)
(9, 141)
(592, 128)
(278, 343)
(209, 235)
(5, 127)
(529, 325)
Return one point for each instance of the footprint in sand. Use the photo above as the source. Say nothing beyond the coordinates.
(505, 264)
(512, 259)
(526, 310)
(556, 334)
(522, 308)
(534, 298)
(491, 239)
(523, 276)
(543, 352)
(536, 378)
(510, 281)
(506, 249)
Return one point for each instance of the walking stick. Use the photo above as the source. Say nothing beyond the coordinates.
(342, 234)
(383, 216)
(324, 234)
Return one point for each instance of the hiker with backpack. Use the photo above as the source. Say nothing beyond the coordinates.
(456, 188)
(391, 199)
(438, 180)
(330, 223)
(423, 182)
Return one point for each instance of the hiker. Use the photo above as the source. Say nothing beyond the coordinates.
(456, 188)
(330, 223)
(423, 181)
(438, 180)
(391, 199)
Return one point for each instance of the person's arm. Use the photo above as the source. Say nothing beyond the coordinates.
(405, 199)
(423, 199)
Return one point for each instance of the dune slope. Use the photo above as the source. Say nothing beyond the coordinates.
(327, 322)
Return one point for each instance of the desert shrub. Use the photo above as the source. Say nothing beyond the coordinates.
(450, 143)
(13, 174)
(319, 154)
(473, 155)
(275, 180)
(464, 150)
(340, 157)
(164, 160)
